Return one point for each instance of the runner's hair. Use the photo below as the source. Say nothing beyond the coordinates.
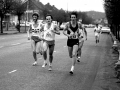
(49, 15)
(73, 13)
(35, 14)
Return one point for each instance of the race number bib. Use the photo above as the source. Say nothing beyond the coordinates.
(74, 36)
(48, 34)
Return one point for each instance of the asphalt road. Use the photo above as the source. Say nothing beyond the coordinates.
(17, 72)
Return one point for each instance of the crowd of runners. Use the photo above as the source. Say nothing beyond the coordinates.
(42, 38)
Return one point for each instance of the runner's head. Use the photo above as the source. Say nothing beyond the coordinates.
(35, 16)
(73, 16)
(49, 18)
(97, 25)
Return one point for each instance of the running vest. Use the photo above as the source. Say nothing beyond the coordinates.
(48, 34)
(74, 29)
(35, 30)
(97, 29)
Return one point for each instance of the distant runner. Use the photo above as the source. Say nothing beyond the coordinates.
(97, 31)
(82, 37)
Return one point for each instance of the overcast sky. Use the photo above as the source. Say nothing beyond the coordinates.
(79, 5)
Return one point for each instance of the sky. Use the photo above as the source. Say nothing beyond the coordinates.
(77, 5)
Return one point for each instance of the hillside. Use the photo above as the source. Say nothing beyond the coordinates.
(95, 14)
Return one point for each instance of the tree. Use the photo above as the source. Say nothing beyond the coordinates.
(19, 10)
(112, 9)
(6, 6)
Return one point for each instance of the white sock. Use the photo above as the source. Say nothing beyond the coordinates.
(50, 64)
(79, 57)
(72, 68)
(45, 62)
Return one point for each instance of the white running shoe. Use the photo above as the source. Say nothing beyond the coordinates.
(50, 68)
(44, 65)
(78, 59)
(35, 63)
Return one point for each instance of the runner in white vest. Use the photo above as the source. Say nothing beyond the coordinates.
(35, 37)
(82, 38)
(50, 29)
(97, 33)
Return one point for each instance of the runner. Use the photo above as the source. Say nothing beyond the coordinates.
(35, 37)
(72, 29)
(50, 29)
(97, 33)
(82, 37)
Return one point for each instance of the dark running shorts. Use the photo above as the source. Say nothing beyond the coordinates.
(35, 38)
(50, 42)
(72, 42)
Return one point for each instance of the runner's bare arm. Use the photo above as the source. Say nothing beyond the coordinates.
(42, 30)
(65, 30)
(71, 32)
(85, 32)
(56, 30)
(28, 32)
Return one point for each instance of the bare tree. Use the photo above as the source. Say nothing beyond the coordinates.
(6, 6)
(19, 9)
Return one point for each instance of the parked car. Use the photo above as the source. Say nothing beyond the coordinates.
(23, 24)
(105, 30)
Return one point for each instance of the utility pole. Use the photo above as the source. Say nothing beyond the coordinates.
(27, 8)
(26, 18)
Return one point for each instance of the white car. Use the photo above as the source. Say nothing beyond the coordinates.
(23, 24)
(105, 30)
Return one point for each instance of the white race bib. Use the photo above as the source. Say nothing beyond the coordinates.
(48, 34)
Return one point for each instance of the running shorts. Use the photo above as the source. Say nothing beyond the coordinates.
(35, 38)
(50, 42)
(72, 42)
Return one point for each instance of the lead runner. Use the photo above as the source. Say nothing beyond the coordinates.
(72, 28)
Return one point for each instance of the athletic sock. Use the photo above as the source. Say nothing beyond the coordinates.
(72, 68)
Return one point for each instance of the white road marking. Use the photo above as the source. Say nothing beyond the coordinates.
(16, 44)
(13, 71)
(54, 51)
(1, 46)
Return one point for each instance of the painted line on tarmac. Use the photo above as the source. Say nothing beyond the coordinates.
(12, 71)
(54, 51)
(15, 44)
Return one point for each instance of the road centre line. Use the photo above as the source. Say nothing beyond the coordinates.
(12, 71)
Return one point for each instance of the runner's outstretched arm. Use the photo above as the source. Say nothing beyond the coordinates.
(85, 32)
(56, 30)
(28, 32)
(65, 30)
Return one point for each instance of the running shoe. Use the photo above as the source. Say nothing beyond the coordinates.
(41, 53)
(78, 59)
(44, 65)
(35, 63)
(71, 72)
(50, 68)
